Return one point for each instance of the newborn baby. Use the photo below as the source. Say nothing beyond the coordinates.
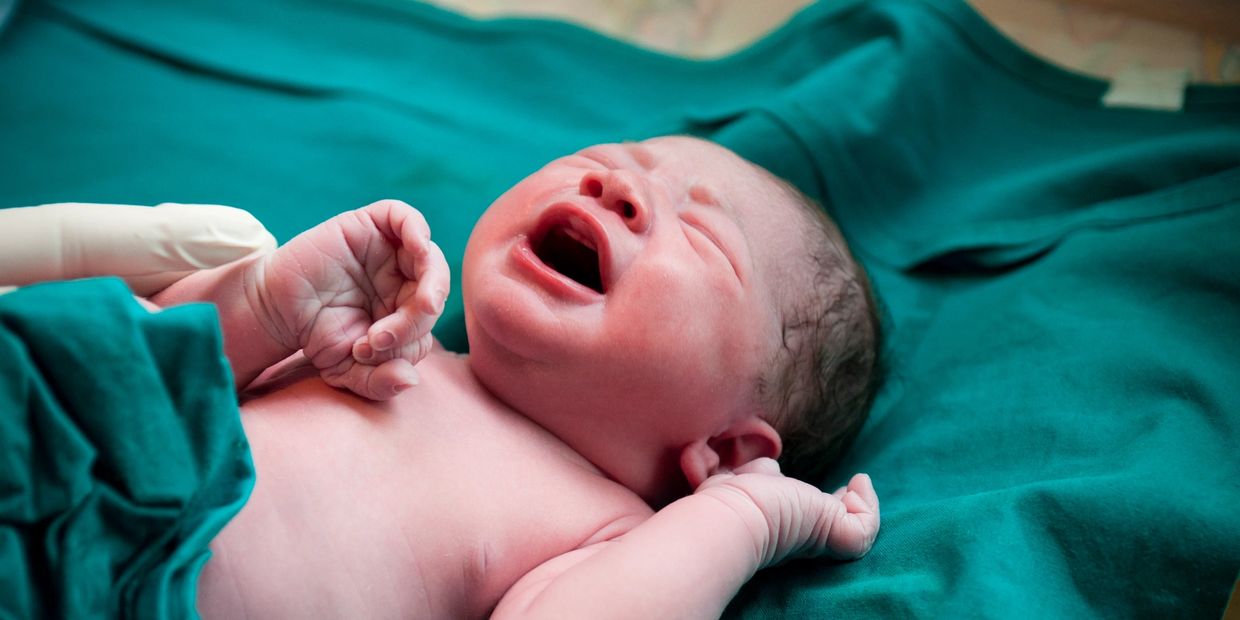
(650, 325)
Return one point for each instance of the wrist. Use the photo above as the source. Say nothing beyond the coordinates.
(256, 336)
(738, 508)
(258, 306)
(252, 337)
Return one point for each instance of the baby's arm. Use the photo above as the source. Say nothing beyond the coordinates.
(690, 558)
(357, 294)
(249, 346)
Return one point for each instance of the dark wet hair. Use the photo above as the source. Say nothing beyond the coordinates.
(819, 387)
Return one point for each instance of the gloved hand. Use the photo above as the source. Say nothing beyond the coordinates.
(149, 248)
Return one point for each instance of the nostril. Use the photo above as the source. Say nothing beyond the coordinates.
(593, 188)
(627, 209)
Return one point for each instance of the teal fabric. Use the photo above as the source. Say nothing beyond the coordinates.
(121, 452)
(1058, 432)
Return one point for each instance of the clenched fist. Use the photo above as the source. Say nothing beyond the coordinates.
(791, 519)
(358, 294)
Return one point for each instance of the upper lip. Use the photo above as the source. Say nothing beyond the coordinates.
(584, 223)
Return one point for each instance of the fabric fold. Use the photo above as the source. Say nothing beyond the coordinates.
(123, 453)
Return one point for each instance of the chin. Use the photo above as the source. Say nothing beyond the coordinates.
(514, 324)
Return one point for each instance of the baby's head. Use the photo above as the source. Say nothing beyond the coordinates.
(669, 310)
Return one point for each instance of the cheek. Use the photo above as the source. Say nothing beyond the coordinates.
(701, 336)
(520, 201)
(686, 301)
(672, 332)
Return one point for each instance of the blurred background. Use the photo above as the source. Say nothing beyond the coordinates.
(1098, 37)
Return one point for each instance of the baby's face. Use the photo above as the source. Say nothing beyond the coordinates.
(622, 297)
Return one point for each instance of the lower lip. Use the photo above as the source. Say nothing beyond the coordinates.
(557, 283)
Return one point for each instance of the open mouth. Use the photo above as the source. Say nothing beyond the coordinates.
(567, 246)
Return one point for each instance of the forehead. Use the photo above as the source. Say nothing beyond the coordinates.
(696, 158)
(735, 182)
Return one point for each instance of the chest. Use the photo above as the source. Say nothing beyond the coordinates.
(432, 505)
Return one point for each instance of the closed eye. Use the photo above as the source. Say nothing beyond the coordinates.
(704, 241)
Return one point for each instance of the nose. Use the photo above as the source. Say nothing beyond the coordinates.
(620, 194)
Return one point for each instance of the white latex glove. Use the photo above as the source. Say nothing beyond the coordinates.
(149, 248)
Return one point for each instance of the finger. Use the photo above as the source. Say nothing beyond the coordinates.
(363, 352)
(380, 382)
(851, 534)
(412, 352)
(405, 225)
(420, 260)
(402, 225)
(329, 343)
(398, 328)
(434, 280)
(417, 351)
(864, 487)
(391, 378)
(406, 324)
(401, 222)
(855, 504)
(763, 465)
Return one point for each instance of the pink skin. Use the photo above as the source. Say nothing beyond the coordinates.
(670, 353)
(652, 380)
(358, 295)
(690, 558)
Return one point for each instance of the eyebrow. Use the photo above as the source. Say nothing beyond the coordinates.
(642, 155)
(702, 194)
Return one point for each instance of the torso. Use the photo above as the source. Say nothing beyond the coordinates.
(431, 505)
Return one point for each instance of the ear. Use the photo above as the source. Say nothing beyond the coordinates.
(745, 440)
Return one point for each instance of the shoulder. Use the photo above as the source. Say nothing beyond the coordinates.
(624, 516)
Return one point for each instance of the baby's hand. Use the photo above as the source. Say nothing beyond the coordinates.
(791, 519)
(358, 294)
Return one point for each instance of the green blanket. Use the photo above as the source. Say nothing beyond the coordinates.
(121, 452)
(1058, 433)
